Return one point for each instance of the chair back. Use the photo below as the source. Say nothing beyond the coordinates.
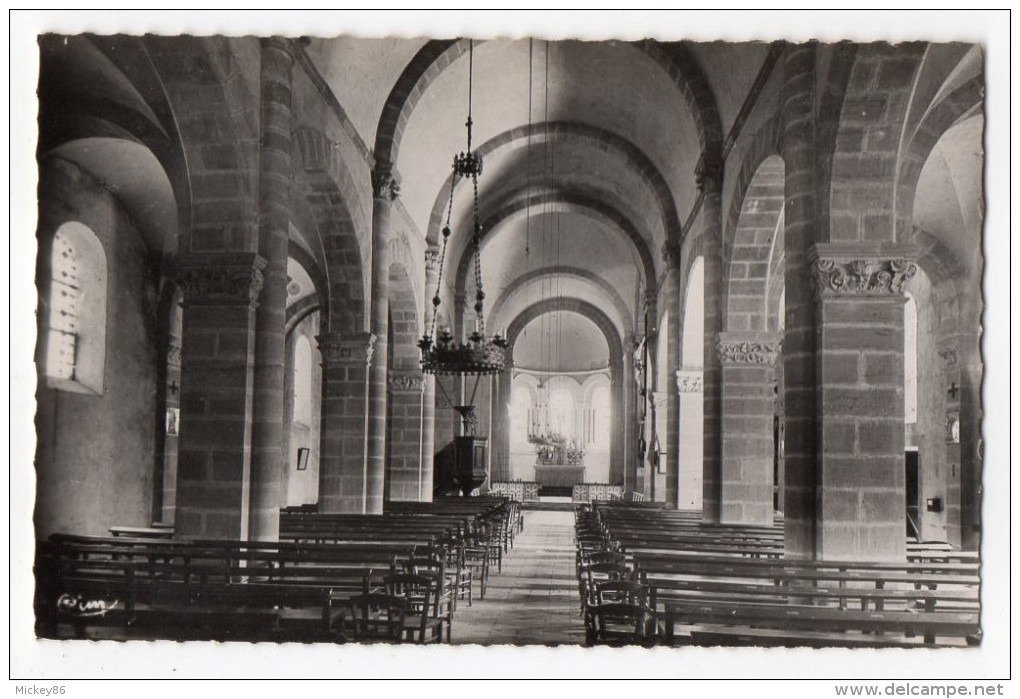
(617, 557)
(377, 617)
(627, 591)
(606, 571)
(621, 623)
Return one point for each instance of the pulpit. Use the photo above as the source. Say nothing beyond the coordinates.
(460, 466)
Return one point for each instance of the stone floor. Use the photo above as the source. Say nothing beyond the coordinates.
(534, 599)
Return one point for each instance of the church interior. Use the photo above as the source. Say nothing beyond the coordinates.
(509, 341)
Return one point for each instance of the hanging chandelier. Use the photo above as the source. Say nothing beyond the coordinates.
(442, 354)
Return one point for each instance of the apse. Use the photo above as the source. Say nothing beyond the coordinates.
(560, 406)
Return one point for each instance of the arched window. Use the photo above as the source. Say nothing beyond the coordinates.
(76, 323)
(303, 381)
(561, 413)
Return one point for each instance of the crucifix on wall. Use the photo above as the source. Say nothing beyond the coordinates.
(953, 391)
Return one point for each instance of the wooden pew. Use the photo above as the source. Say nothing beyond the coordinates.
(203, 590)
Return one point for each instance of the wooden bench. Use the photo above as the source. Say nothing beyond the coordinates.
(822, 625)
(202, 590)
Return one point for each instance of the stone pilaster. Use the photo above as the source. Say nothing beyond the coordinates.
(689, 383)
(268, 459)
(501, 426)
(221, 294)
(671, 441)
(385, 190)
(748, 408)
(709, 178)
(800, 212)
(343, 463)
(404, 472)
(428, 416)
(861, 494)
(624, 413)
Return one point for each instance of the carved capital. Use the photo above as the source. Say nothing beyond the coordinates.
(845, 271)
(406, 383)
(384, 184)
(708, 172)
(737, 348)
(689, 381)
(344, 349)
(222, 279)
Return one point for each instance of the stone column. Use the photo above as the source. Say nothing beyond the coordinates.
(971, 464)
(625, 418)
(710, 181)
(689, 388)
(658, 461)
(501, 427)
(343, 457)
(801, 454)
(617, 437)
(268, 458)
(385, 189)
(748, 412)
(428, 415)
(861, 496)
(673, 340)
(405, 435)
(651, 379)
(217, 371)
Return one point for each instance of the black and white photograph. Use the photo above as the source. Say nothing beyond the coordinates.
(649, 344)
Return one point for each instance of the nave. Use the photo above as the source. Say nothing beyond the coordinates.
(286, 356)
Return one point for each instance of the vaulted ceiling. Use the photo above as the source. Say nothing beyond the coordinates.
(589, 149)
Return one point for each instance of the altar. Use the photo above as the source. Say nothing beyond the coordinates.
(559, 476)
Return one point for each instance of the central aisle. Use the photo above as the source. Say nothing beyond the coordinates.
(534, 600)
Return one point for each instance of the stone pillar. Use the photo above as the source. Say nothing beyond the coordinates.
(343, 457)
(971, 463)
(799, 329)
(501, 427)
(405, 436)
(624, 415)
(748, 412)
(651, 379)
(428, 415)
(710, 181)
(617, 436)
(691, 418)
(658, 461)
(673, 341)
(385, 189)
(217, 371)
(170, 445)
(861, 496)
(268, 459)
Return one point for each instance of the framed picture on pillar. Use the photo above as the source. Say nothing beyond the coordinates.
(173, 421)
(302, 458)
(952, 427)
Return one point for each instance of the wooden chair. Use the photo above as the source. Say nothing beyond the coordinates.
(476, 561)
(422, 594)
(375, 618)
(621, 623)
(458, 575)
